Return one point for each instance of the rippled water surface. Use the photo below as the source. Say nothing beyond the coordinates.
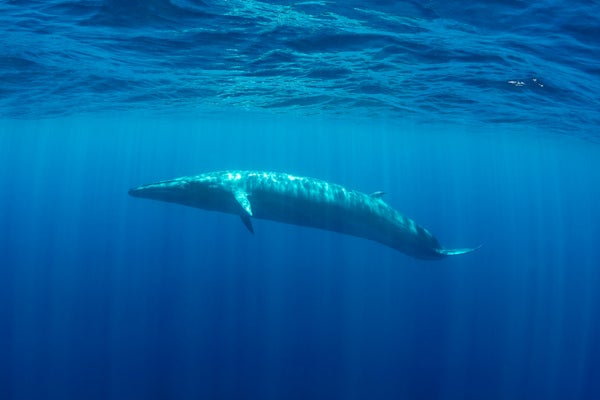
(494, 61)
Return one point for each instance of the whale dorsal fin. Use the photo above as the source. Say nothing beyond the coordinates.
(377, 195)
(242, 198)
(248, 222)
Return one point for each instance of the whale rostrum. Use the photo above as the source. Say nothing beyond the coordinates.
(301, 201)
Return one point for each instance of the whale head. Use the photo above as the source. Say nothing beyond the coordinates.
(200, 192)
(171, 191)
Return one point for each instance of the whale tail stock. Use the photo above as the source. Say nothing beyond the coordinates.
(457, 252)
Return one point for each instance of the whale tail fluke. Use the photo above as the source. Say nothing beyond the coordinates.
(457, 252)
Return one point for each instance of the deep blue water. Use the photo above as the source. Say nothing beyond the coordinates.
(479, 121)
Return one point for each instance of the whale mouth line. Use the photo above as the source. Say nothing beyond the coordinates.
(144, 191)
(136, 191)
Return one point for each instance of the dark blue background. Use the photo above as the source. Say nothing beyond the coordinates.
(479, 119)
(107, 296)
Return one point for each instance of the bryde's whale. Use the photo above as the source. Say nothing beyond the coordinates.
(300, 201)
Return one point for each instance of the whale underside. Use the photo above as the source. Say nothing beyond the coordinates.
(300, 201)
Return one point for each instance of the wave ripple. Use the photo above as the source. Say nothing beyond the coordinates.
(492, 62)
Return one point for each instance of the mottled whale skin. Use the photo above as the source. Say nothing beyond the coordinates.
(300, 201)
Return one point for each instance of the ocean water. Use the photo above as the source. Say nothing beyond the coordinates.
(478, 119)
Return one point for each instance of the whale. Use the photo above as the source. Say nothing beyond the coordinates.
(302, 201)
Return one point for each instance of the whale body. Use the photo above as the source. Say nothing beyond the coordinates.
(301, 201)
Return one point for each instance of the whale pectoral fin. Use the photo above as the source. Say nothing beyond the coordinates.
(377, 195)
(246, 220)
(242, 198)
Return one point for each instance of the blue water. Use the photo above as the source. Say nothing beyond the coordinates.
(479, 121)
